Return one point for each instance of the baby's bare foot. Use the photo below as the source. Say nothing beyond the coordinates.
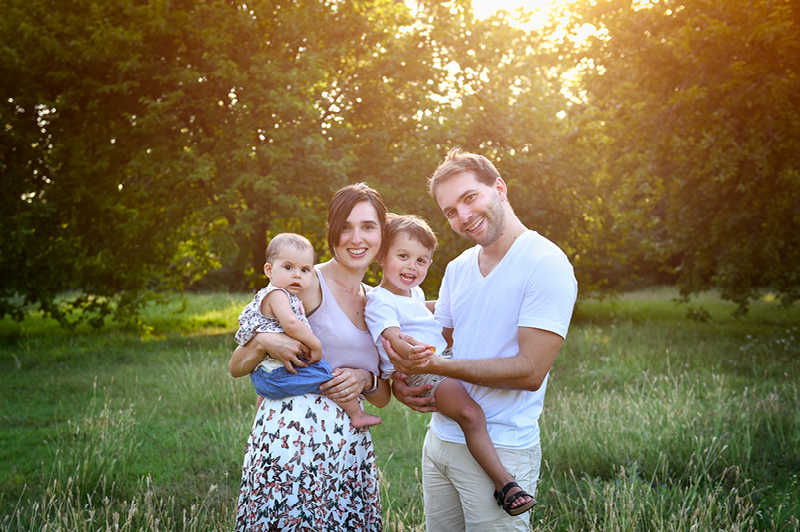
(365, 420)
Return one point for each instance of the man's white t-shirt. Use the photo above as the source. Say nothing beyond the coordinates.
(385, 309)
(532, 286)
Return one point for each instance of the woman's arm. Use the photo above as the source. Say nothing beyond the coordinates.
(382, 395)
(279, 346)
(245, 358)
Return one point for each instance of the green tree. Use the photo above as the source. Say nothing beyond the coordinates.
(697, 101)
(152, 147)
(145, 144)
(504, 100)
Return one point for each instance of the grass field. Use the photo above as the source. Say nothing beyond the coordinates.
(652, 421)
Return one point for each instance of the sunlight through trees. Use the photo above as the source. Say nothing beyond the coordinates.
(148, 148)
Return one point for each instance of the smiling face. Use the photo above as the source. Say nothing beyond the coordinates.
(474, 210)
(291, 269)
(360, 237)
(405, 264)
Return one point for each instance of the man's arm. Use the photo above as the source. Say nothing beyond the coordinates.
(431, 305)
(526, 371)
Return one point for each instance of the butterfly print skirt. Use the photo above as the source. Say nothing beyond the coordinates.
(307, 468)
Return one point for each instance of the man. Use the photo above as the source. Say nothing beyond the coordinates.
(506, 303)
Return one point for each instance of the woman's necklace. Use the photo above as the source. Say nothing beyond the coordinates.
(351, 296)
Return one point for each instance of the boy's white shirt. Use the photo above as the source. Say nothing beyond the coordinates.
(532, 286)
(385, 309)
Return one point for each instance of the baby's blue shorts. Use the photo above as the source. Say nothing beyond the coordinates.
(279, 383)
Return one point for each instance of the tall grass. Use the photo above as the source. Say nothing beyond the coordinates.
(651, 422)
(669, 453)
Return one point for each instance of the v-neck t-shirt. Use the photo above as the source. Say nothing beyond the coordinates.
(533, 286)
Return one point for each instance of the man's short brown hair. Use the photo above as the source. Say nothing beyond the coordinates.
(457, 162)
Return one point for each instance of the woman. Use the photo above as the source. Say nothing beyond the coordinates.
(306, 467)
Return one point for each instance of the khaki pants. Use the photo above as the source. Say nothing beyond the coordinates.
(459, 494)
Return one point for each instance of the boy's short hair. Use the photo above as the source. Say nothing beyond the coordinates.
(285, 240)
(415, 227)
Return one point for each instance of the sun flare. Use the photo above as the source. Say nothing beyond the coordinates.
(484, 8)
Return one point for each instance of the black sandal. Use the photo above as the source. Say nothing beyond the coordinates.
(505, 500)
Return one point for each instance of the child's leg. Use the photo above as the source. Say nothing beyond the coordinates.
(453, 401)
(358, 417)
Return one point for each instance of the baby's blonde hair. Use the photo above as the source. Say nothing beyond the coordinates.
(284, 240)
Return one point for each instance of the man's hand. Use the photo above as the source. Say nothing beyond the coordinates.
(408, 394)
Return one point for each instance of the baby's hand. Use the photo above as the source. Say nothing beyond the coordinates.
(315, 355)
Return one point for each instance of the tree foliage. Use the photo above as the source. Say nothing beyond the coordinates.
(145, 144)
(156, 146)
(698, 101)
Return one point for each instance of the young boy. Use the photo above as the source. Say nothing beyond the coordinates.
(276, 308)
(399, 304)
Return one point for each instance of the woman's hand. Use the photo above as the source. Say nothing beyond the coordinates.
(284, 348)
(346, 383)
(408, 395)
(278, 345)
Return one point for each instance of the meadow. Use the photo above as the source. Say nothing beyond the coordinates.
(652, 421)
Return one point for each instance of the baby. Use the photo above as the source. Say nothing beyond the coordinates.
(276, 308)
